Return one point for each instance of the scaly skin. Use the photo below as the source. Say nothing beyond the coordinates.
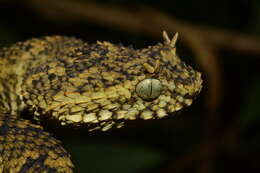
(96, 86)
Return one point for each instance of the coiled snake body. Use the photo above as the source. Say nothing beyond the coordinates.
(97, 86)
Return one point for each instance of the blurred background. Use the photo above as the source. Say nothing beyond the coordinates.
(220, 132)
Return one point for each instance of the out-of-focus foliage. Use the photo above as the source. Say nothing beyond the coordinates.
(114, 156)
(250, 114)
(7, 36)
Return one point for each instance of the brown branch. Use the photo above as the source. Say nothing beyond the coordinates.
(232, 40)
(205, 150)
(143, 21)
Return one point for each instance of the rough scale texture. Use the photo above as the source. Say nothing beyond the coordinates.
(64, 80)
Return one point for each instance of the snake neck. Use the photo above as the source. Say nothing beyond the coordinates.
(18, 60)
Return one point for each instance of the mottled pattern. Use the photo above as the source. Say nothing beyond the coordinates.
(27, 148)
(69, 82)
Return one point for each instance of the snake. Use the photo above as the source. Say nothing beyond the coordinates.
(72, 83)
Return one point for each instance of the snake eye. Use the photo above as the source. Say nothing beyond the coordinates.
(149, 89)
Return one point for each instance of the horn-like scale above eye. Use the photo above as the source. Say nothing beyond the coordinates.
(149, 89)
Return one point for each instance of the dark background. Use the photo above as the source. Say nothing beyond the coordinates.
(218, 133)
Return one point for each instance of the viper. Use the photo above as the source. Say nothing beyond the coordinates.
(94, 86)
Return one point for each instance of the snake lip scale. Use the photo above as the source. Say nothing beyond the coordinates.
(73, 83)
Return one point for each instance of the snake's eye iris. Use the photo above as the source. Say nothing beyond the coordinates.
(149, 89)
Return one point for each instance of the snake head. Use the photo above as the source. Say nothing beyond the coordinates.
(169, 84)
(101, 85)
(177, 83)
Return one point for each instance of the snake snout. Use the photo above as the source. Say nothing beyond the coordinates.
(196, 85)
